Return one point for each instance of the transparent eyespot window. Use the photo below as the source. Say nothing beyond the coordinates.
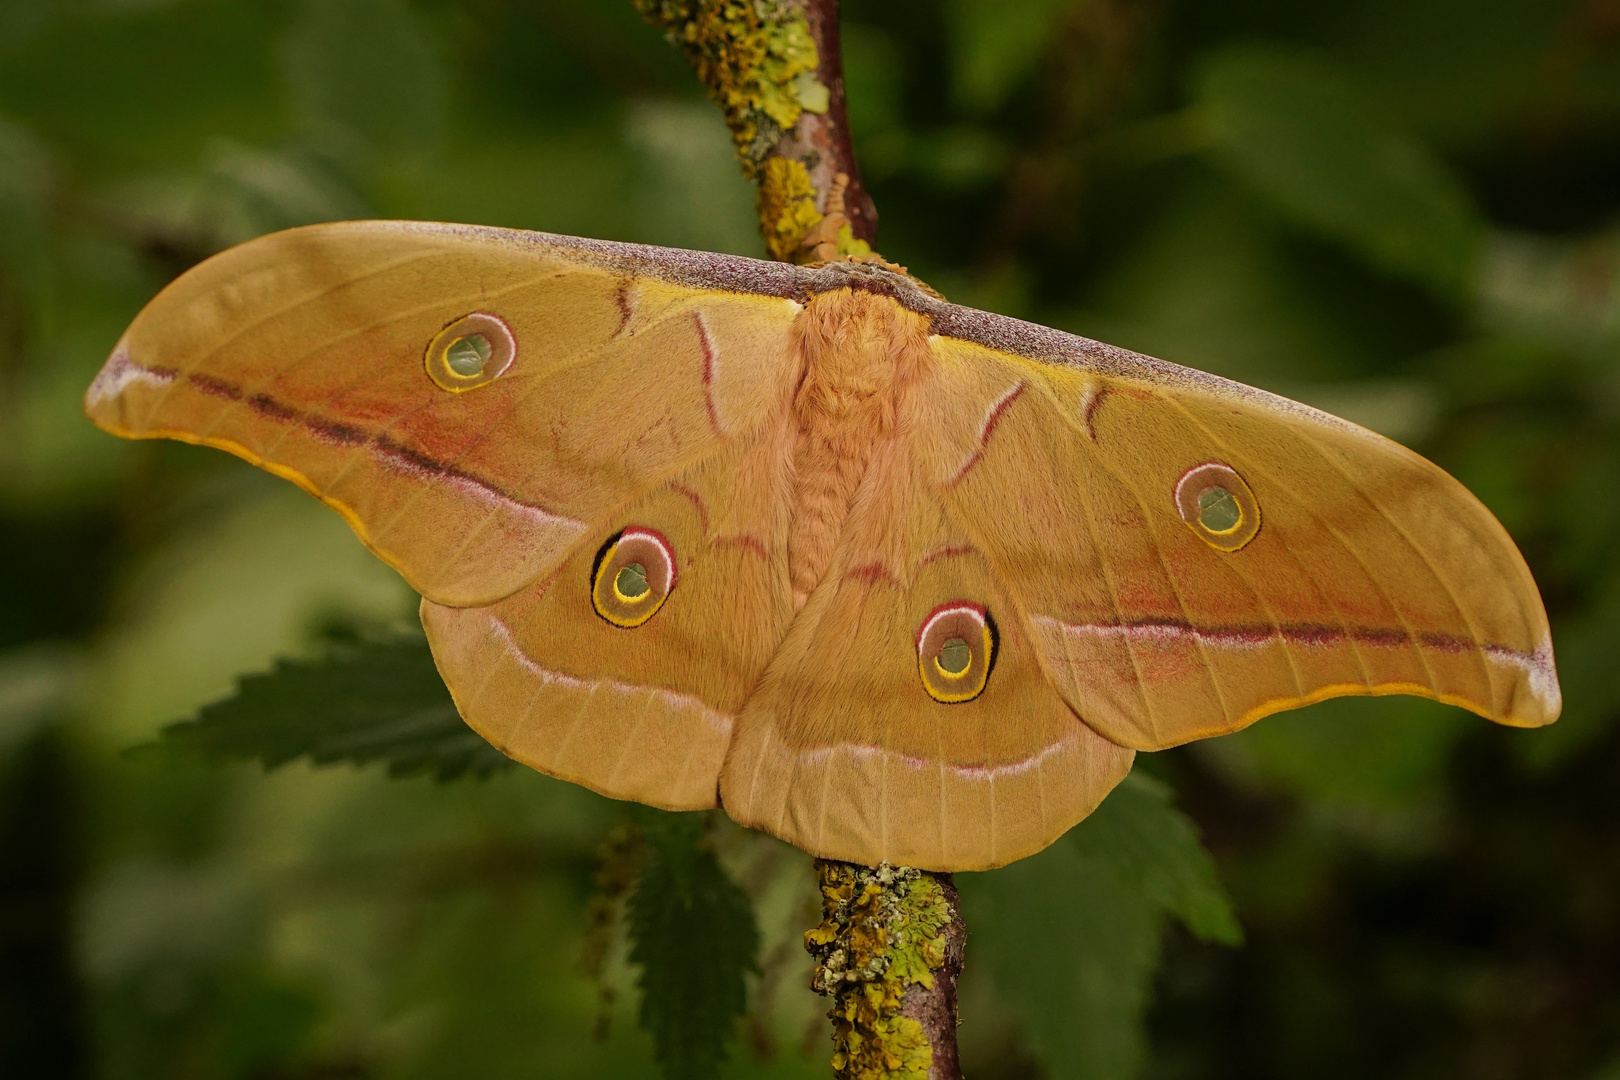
(1218, 505)
(956, 649)
(473, 351)
(634, 574)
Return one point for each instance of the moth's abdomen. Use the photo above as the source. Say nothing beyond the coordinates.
(858, 354)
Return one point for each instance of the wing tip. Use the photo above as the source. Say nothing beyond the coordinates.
(104, 398)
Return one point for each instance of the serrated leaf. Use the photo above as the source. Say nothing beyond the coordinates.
(693, 932)
(360, 703)
(1155, 851)
(1303, 137)
(1072, 950)
(1071, 936)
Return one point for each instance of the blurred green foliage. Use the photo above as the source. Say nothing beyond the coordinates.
(1405, 212)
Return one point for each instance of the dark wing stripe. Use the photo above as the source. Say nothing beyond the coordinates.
(390, 451)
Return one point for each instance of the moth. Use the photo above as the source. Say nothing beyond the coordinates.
(892, 579)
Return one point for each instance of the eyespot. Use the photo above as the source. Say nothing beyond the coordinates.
(956, 647)
(630, 584)
(470, 352)
(1218, 505)
(633, 576)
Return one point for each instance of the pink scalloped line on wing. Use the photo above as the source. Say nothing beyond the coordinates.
(746, 541)
(1090, 399)
(871, 573)
(719, 721)
(974, 772)
(697, 502)
(623, 297)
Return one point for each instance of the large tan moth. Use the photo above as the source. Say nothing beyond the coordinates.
(892, 579)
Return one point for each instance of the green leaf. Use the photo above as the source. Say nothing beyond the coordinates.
(1302, 136)
(1154, 850)
(1071, 935)
(693, 933)
(373, 701)
(1072, 950)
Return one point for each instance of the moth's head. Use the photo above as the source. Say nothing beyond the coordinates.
(875, 274)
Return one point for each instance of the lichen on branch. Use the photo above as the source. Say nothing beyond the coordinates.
(758, 59)
(795, 231)
(883, 931)
(774, 68)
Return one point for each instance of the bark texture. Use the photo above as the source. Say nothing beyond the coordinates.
(935, 1007)
(889, 951)
(891, 943)
(821, 141)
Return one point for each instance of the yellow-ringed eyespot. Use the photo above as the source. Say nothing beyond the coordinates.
(633, 576)
(1218, 505)
(473, 351)
(956, 647)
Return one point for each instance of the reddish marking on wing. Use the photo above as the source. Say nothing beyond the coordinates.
(1256, 635)
(988, 428)
(742, 540)
(391, 452)
(215, 387)
(873, 572)
(718, 721)
(1181, 635)
(709, 361)
(1094, 397)
(950, 607)
(994, 416)
(946, 551)
(697, 503)
(626, 309)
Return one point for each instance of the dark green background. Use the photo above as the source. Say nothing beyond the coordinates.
(1405, 211)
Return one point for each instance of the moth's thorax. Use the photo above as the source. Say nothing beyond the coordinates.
(858, 354)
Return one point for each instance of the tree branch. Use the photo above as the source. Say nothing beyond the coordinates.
(821, 141)
(891, 941)
(888, 952)
(775, 68)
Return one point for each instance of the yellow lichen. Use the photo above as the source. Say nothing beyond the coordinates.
(787, 206)
(851, 247)
(757, 58)
(882, 931)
